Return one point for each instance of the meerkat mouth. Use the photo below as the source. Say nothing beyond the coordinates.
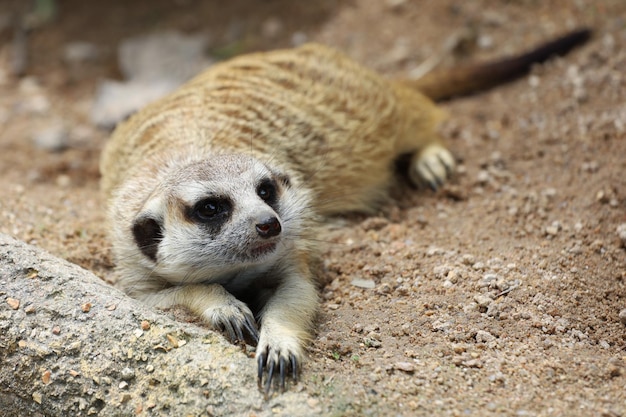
(263, 249)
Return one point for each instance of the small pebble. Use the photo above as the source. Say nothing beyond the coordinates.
(127, 374)
(363, 283)
(173, 340)
(13, 303)
(621, 233)
(407, 367)
(79, 52)
(622, 316)
(86, 307)
(483, 336)
(53, 138)
(372, 342)
(37, 397)
(272, 28)
(45, 377)
(483, 300)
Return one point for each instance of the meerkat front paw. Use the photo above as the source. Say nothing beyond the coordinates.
(431, 167)
(278, 353)
(233, 318)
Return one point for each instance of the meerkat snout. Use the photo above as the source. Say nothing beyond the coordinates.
(269, 228)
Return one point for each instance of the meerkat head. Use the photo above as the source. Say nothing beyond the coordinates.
(211, 219)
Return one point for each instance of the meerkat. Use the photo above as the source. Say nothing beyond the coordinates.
(214, 192)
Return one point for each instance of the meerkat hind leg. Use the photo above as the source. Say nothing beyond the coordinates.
(431, 166)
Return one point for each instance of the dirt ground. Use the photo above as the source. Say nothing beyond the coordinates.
(499, 295)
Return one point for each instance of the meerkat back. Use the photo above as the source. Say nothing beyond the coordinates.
(335, 125)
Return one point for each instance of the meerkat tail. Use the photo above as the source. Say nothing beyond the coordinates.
(443, 84)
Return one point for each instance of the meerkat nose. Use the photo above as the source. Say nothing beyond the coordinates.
(269, 227)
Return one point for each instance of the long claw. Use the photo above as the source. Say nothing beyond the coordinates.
(270, 376)
(230, 331)
(239, 332)
(281, 367)
(261, 366)
(294, 367)
(252, 330)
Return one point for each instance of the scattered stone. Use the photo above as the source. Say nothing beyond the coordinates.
(53, 138)
(168, 54)
(153, 66)
(37, 397)
(363, 283)
(145, 325)
(374, 223)
(86, 307)
(483, 301)
(396, 5)
(116, 100)
(272, 27)
(621, 233)
(473, 363)
(299, 38)
(13, 303)
(45, 377)
(407, 367)
(553, 229)
(483, 336)
(384, 288)
(173, 340)
(485, 42)
(622, 316)
(372, 340)
(80, 52)
(441, 271)
(127, 374)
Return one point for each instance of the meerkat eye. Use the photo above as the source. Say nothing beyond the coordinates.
(267, 191)
(210, 208)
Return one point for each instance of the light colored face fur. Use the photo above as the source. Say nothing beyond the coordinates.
(211, 220)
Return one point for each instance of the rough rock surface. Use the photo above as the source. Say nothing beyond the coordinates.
(73, 345)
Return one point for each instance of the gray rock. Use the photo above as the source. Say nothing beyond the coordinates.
(153, 65)
(53, 138)
(79, 52)
(162, 55)
(116, 100)
(72, 345)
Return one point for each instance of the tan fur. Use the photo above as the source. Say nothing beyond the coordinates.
(310, 109)
(309, 114)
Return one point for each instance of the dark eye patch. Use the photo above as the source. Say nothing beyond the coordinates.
(210, 208)
(211, 212)
(267, 190)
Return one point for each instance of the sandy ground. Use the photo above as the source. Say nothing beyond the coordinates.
(499, 295)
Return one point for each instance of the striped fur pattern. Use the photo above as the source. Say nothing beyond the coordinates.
(215, 190)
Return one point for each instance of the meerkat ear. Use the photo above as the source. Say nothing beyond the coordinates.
(148, 233)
